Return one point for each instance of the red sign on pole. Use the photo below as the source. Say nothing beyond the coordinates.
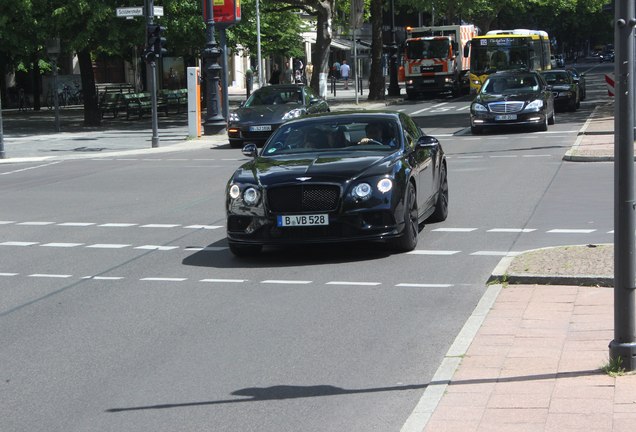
(226, 12)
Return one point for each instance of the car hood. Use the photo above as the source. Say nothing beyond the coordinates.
(515, 97)
(324, 167)
(264, 113)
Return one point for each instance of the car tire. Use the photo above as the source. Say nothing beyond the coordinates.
(408, 240)
(543, 126)
(441, 204)
(245, 250)
(476, 130)
(552, 119)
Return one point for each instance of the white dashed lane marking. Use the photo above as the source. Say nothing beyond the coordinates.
(55, 276)
(286, 282)
(433, 252)
(62, 245)
(108, 246)
(571, 231)
(454, 229)
(18, 243)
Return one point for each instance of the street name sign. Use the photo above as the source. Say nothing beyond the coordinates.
(130, 11)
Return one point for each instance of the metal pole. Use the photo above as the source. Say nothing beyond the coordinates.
(355, 64)
(623, 347)
(258, 45)
(394, 88)
(214, 122)
(224, 68)
(150, 11)
(56, 101)
(2, 154)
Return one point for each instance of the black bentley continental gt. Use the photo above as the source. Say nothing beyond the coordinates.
(332, 178)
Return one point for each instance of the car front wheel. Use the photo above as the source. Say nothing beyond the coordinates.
(441, 205)
(408, 240)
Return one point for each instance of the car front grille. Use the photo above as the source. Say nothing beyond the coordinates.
(505, 107)
(303, 198)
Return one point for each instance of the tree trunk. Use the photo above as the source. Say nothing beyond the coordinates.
(92, 116)
(320, 56)
(377, 82)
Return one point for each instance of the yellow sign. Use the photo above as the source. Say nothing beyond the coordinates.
(219, 2)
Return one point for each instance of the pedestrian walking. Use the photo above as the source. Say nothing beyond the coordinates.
(344, 73)
(275, 77)
(309, 70)
(336, 69)
(288, 74)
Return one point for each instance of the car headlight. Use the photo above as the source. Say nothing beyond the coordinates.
(234, 117)
(295, 113)
(251, 196)
(362, 191)
(385, 185)
(477, 107)
(535, 105)
(235, 191)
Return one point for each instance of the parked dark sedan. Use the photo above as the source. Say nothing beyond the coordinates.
(510, 98)
(579, 78)
(564, 89)
(267, 108)
(332, 178)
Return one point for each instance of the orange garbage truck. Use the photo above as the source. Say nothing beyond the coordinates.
(433, 60)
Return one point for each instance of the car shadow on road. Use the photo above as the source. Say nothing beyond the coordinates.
(218, 255)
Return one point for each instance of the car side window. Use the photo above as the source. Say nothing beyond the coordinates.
(411, 132)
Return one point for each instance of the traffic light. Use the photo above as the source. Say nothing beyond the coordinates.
(155, 42)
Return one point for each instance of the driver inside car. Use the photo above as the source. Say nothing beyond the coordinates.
(376, 134)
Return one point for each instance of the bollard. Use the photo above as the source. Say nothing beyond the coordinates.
(360, 84)
(333, 85)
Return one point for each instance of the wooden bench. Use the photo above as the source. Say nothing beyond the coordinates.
(173, 99)
(111, 103)
(137, 103)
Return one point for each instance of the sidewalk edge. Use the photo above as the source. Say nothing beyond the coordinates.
(421, 414)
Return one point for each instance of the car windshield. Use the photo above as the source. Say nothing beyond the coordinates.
(334, 134)
(556, 77)
(510, 84)
(275, 96)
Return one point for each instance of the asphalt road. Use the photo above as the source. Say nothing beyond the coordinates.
(122, 308)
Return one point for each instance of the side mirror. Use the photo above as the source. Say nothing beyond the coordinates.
(467, 49)
(250, 150)
(427, 142)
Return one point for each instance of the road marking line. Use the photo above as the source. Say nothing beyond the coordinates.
(159, 226)
(30, 168)
(504, 156)
(210, 227)
(108, 246)
(35, 223)
(158, 279)
(470, 157)
(17, 243)
(463, 108)
(103, 277)
(288, 282)
(156, 247)
(571, 231)
(6, 222)
(416, 285)
(224, 280)
(611, 232)
(76, 224)
(354, 283)
(496, 253)
(433, 252)
(536, 156)
(420, 111)
(9, 274)
(511, 230)
(117, 225)
(43, 275)
(454, 229)
(62, 245)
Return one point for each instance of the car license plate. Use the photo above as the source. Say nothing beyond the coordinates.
(260, 128)
(428, 81)
(506, 117)
(303, 220)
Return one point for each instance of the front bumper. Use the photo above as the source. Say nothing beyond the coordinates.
(491, 120)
